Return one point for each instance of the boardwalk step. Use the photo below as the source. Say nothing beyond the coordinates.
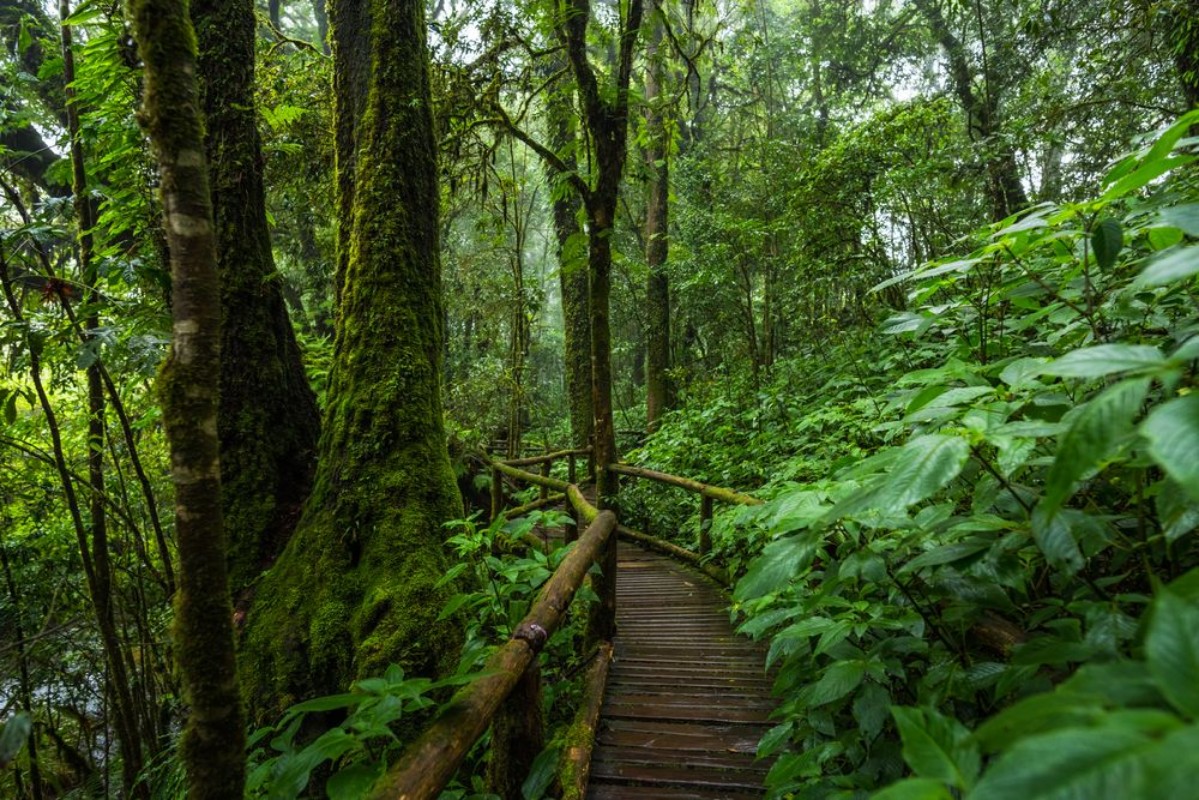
(687, 699)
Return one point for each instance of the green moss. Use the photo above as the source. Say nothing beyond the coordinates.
(355, 589)
(268, 422)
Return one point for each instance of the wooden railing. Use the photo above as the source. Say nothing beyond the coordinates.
(507, 696)
(706, 494)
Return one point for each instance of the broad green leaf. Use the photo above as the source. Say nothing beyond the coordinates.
(1172, 430)
(775, 738)
(328, 703)
(871, 708)
(937, 747)
(541, 774)
(1178, 514)
(353, 782)
(948, 554)
(12, 737)
(1185, 218)
(914, 789)
(1144, 174)
(921, 468)
(1187, 351)
(1104, 359)
(1171, 265)
(780, 561)
(837, 681)
(1094, 434)
(795, 510)
(1107, 240)
(1174, 763)
(1036, 715)
(1103, 763)
(1172, 650)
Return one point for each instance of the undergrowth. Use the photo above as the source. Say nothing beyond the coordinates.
(977, 565)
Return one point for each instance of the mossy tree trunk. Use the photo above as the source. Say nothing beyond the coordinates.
(659, 394)
(213, 743)
(268, 422)
(356, 589)
(572, 269)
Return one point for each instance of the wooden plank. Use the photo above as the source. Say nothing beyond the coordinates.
(616, 791)
(671, 775)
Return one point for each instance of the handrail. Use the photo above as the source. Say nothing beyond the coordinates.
(706, 492)
(529, 461)
(556, 484)
(714, 492)
(671, 549)
(427, 765)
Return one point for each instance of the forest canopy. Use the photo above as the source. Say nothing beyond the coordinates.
(914, 283)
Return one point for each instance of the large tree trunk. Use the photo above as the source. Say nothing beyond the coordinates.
(355, 590)
(572, 268)
(659, 395)
(213, 744)
(269, 423)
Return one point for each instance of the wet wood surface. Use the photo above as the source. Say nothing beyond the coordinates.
(687, 699)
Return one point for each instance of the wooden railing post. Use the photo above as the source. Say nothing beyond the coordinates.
(705, 524)
(601, 626)
(570, 468)
(517, 735)
(543, 490)
(497, 494)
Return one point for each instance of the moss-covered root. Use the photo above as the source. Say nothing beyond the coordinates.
(356, 587)
(213, 744)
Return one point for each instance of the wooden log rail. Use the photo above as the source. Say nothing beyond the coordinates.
(507, 695)
(707, 494)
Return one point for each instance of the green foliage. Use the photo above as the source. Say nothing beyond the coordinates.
(357, 749)
(970, 535)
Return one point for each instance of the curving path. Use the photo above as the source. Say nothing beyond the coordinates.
(687, 699)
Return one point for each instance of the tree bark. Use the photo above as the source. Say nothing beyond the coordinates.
(356, 588)
(572, 270)
(607, 123)
(268, 421)
(659, 394)
(213, 743)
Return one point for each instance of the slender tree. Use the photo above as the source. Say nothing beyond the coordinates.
(658, 390)
(269, 423)
(356, 587)
(606, 113)
(213, 744)
(572, 268)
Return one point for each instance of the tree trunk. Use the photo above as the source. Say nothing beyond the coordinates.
(1184, 41)
(572, 270)
(322, 24)
(658, 390)
(268, 421)
(607, 122)
(1004, 188)
(213, 743)
(355, 590)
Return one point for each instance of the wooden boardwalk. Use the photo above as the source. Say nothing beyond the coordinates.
(687, 699)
